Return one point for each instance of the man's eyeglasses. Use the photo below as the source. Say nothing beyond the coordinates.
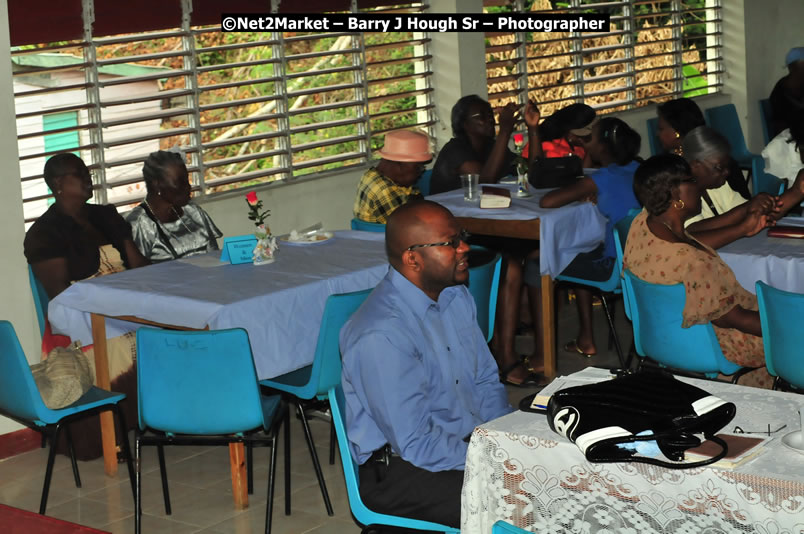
(455, 242)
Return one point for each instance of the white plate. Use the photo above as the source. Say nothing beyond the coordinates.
(794, 440)
(315, 239)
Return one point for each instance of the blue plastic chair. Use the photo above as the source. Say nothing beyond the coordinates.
(21, 401)
(40, 299)
(484, 282)
(764, 182)
(766, 114)
(424, 182)
(782, 343)
(501, 527)
(621, 229)
(201, 388)
(612, 286)
(314, 380)
(653, 137)
(656, 314)
(365, 226)
(361, 513)
(724, 119)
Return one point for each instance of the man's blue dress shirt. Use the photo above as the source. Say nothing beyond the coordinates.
(417, 374)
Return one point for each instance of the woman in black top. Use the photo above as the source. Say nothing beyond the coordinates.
(473, 148)
(64, 244)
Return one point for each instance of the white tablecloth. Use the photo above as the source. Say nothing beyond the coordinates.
(519, 470)
(563, 232)
(279, 304)
(779, 262)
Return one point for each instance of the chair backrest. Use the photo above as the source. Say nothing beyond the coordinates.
(765, 114)
(725, 120)
(424, 182)
(484, 283)
(19, 396)
(781, 339)
(326, 370)
(501, 527)
(366, 226)
(653, 137)
(200, 383)
(40, 299)
(621, 229)
(764, 182)
(656, 314)
(362, 514)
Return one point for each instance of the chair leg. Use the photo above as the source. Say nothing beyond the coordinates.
(286, 424)
(71, 448)
(613, 310)
(603, 299)
(314, 456)
(271, 481)
(51, 457)
(138, 483)
(160, 451)
(332, 439)
(121, 420)
(250, 467)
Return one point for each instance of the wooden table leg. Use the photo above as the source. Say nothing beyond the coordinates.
(548, 326)
(103, 382)
(237, 459)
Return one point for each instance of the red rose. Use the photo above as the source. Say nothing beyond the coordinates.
(519, 139)
(251, 198)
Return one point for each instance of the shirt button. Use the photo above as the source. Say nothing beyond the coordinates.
(448, 348)
(456, 381)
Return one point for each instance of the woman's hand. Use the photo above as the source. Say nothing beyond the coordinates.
(532, 115)
(508, 118)
(798, 184)
(754, 222)
(764, 204)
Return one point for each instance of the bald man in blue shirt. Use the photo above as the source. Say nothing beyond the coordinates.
(418, 376)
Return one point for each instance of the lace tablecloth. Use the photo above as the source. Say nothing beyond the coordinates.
(519, 470)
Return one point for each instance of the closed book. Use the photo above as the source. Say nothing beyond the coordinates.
(495, 197)
(742, 448)
(796, 232)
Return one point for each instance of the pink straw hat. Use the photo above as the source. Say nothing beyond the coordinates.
(406, 146)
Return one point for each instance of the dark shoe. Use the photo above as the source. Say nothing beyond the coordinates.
(531, 379)
(573, 348)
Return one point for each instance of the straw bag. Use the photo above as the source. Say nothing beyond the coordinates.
(63, 377)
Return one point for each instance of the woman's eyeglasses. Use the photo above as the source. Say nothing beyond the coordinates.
(455, 242)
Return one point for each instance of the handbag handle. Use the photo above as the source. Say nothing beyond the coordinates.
(670, 465)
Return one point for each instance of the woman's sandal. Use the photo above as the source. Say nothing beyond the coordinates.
(573, 348)
(530, 380)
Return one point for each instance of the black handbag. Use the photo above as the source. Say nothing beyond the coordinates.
(554, 172)
(599, 417)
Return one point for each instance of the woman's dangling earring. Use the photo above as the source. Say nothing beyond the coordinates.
(677, 206)
(678, 135)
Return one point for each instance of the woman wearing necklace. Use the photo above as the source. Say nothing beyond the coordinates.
(723, 210)
(168, 225)
(659, 250)
(679, 117)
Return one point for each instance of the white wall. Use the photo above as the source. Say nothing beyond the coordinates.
(771, 29)
(16, 304)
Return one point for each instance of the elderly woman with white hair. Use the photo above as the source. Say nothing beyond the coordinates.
(723, 211)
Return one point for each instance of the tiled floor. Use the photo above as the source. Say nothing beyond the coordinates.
(200, 483)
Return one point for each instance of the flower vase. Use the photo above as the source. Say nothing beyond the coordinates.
(265, 251)
(522, 186)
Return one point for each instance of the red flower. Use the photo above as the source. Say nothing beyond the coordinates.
(518, 139)
(251, 198)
